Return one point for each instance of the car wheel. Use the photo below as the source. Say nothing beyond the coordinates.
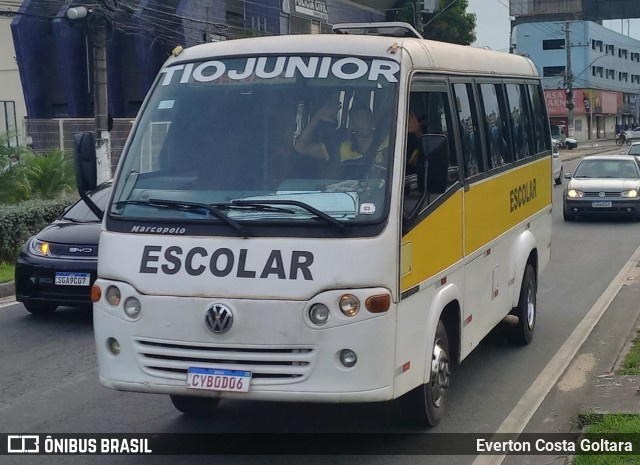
(526, 311)
(40, 308)
(558, 180)
(195, 406)
(425, 404)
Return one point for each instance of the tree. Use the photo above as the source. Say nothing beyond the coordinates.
(451, 23)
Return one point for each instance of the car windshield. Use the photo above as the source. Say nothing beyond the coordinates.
(81, 213)
(218, 141)
(626, 169)
(634, 149)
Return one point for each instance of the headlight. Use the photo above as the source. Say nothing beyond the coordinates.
(319, 314)
(631, 194)
(572, 193)
(40, 248)
(349, 305)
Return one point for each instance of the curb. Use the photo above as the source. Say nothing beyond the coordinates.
(7, 289)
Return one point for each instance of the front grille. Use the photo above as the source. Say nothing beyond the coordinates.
(279, 365)
(74, 251)
(607, 194)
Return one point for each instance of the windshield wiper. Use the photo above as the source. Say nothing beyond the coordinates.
(192, 207)
(254, 207)
(320, 214)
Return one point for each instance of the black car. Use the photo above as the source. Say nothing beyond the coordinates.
(57, 266)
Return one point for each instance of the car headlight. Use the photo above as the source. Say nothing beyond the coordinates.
(631, 193)
(574, 194)
(39, 248)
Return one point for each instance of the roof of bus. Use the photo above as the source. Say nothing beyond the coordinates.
(425, 54)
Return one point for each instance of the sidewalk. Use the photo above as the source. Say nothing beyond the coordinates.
(7, 289)
(591, 147)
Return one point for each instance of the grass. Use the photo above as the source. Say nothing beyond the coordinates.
(631, 363)
(616, 423)
(6, 272)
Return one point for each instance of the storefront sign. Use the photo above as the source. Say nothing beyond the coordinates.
(314, 8)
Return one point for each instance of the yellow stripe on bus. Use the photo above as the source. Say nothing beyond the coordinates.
(491, 208)
(495, 206)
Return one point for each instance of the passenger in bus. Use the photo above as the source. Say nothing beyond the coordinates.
(362, 141)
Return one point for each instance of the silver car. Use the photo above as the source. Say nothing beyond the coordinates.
(603, 185)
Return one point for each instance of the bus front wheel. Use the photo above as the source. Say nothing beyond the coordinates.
(425, 404)
(522, 332)
(196, 406)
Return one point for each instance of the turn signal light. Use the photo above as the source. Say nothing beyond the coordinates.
(96, 293)
(378, 303)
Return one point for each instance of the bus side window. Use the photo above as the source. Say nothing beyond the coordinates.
(433, 113)
(496, 125)
(469, 130)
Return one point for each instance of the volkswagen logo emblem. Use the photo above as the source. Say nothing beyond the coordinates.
(601, 194)
(219, 318)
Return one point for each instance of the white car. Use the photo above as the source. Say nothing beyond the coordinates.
(556, 162)
(632, 134)
(634, 149)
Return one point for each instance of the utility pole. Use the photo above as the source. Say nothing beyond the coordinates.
(569, 78)
(96, 24)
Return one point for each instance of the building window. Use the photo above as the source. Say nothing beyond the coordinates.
(553, 71)
(622, 53)
(635, 56)
(553, 44)
(596, 71)
(611, 50)
(610, 73)
(596, 45)
(624, 77)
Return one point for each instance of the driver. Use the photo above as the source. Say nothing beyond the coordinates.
(360, 143)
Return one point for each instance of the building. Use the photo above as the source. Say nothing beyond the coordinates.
(55, 61)
(12, 106)
(604, 74)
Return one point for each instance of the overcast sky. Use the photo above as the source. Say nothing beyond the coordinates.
(492, 24)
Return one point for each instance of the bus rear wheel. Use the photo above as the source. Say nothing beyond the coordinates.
(526, 311)
(195, 406)
(425, 405)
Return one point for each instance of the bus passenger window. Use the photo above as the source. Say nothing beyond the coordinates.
(429, 114)
(496, 126)
(469, 132)
(520, 120)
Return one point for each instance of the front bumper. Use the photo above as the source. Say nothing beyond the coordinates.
(289, 358)
(586, 207)
(35, 280)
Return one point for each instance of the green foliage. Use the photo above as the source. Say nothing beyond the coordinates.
(7, 272)
(50, 175)
(631, 363)
(21, 221)
(24, 175)
(13, 174)
(451, 23)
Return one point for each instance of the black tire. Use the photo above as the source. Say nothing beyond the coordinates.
(558, 180)
(40, 308)
(425, 404)
(195, 406)
(526, 311)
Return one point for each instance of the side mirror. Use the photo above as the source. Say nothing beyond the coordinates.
(567, 175)
(86, 167)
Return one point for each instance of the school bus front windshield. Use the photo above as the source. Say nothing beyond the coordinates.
(302, 140)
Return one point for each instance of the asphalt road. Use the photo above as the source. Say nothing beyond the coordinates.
(48, 374)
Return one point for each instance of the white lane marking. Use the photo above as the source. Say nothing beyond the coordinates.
(527, 406)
